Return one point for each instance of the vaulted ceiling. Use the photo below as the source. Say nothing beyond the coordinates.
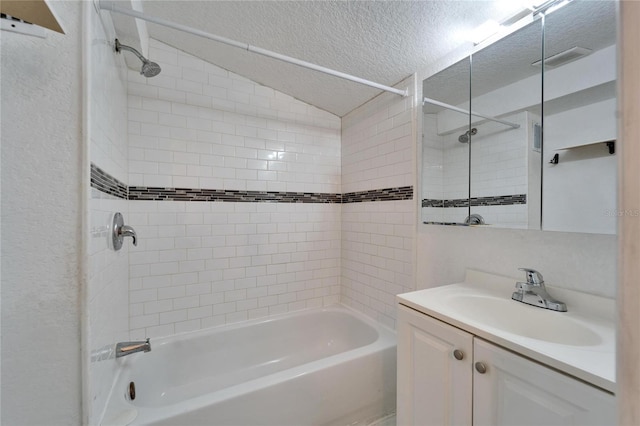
(382, 41)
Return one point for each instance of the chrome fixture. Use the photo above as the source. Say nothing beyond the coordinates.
(119, 230)
(465, 138)
(128, 348)
(474, 219)
(149, 69)
(533, 292)
(131, 391)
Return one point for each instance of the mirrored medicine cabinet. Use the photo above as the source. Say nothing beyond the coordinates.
(514, 141)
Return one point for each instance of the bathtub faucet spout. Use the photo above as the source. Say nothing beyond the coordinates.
(128, 348)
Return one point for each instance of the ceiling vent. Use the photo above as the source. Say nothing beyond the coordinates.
(564, 57)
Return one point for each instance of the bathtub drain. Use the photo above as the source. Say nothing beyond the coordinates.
(132, 391)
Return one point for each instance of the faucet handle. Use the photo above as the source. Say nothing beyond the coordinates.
(119, 230)
(533, 277)
(127, 231)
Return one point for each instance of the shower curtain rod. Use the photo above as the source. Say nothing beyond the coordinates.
(110, 6)
(464, 111)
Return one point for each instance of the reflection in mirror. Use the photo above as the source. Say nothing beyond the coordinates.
(505, 154)
(445, 152)
(579, 184)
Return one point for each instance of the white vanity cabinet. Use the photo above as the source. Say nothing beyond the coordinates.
(434, 387)
(488, 385)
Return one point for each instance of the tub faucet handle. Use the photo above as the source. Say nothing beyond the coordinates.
(127, 231)
(119, 230)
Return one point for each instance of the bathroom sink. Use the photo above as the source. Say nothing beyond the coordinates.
(580, 342)
(522, 320)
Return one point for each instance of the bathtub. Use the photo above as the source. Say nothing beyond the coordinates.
(330, 366)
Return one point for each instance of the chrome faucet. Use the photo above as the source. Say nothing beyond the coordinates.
(533, 292)
(128, 348)
(127, 231)
(119, 230)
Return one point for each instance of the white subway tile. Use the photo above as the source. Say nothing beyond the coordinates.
(158, 306)
(211, 298)
(143, 321)
(171, 292)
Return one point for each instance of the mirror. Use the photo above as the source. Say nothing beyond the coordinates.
(579, 185)
(505, 153)
(537, 155)
(445, 160)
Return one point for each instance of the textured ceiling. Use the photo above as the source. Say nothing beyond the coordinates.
(382, 41)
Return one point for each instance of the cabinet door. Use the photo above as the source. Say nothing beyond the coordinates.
(434, 388)
(517, 391)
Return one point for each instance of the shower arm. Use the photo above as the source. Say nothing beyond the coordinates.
(112, 7)
(464, 111)
(120, 47)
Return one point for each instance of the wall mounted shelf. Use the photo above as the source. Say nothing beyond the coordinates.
(611, 144)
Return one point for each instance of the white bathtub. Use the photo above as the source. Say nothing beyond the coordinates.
(328, 366)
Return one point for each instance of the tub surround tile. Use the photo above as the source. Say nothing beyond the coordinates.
(243, 190)
(377, 239)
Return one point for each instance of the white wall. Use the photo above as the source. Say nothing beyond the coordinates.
(107, 294)
(41, 224)
(582, 262)
(201, 264)
(378, 151)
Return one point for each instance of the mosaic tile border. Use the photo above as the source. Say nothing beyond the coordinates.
(387, 194)
(108, 184)
(225, 195)
(499, 200)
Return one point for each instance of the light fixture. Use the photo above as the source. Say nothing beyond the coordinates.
(484, 31)
(555, 5)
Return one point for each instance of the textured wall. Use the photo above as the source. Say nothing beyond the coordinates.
(582, 262)
(41, 224)
(107, 295)
(378, 151)
(201, 264)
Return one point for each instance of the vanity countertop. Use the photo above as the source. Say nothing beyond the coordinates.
(579, 342)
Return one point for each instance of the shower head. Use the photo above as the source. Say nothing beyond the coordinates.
(465, 137)
(149, 69)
